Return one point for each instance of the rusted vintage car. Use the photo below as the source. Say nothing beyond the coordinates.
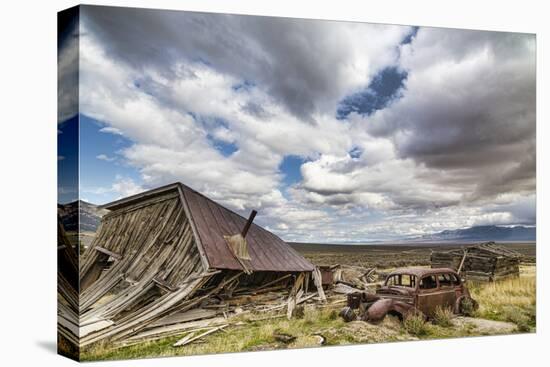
(418, 290)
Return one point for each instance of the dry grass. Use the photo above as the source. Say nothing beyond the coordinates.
(512, 300)
(252, 335)
(258, 335)
(387, 255)
(443, 316)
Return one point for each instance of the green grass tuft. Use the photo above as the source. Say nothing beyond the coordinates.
(415, 324)
(443, 316)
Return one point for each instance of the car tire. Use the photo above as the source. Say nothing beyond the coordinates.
(466, 306)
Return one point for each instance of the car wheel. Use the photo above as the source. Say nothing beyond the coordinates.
(467, 306)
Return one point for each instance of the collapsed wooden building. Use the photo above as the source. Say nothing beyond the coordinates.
(161, 254)
(67, 294)
(483, 262)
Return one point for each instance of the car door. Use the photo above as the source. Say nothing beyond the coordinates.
(429, 295)
(447, 289)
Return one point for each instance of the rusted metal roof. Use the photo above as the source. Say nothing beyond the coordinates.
(212, 221)
(268, 252)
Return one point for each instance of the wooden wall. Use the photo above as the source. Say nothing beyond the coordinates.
(137, 251)
(479, 264)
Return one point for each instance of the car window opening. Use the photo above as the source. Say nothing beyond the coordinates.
(428, 282)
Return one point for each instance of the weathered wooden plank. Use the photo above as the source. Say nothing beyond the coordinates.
(163, 331)
(319, 284)
(107, 252)
(182, 317)
(94, 326)
(186, 340)
(197, 239)
(297, 287)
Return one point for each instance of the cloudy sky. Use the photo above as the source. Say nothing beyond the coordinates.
(333, 131)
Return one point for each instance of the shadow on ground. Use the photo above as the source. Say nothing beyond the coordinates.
(48, 345)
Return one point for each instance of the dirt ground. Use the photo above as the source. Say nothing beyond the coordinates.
(484, 326)
(508, 306)
(388, 255)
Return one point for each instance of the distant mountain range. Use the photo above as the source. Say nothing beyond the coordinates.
(89, 215)
(484, 233)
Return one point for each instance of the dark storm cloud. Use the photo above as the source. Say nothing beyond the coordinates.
(468, 106)
(67, 66)
(255, 109)
(523, 210)
(301, 63)
(436, 127)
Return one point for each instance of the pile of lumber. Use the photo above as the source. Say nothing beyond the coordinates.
(484, 262)
(205, 306)
(220, 310)
(350, 278)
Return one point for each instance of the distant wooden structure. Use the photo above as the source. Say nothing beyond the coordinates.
(484, 262)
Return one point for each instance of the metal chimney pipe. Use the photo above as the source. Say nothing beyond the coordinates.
(248, 223)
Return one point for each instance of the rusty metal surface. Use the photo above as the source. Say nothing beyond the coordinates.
(348, 314)
(267, 251)
(401, 300)
(382, 307)
(354, 300)
(327, 275)
(421, 272)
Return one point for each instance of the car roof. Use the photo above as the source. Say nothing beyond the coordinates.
(421, 272)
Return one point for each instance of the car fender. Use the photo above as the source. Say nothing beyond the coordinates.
(379, 309)
(457, 309)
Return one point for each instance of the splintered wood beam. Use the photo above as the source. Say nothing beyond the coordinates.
(462, 261)
(293, 296)
(249, 223)
(274, 282)
(317, 279)
(163, 285)
(191, 338)
(107, 252)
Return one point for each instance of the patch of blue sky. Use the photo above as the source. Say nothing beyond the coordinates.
(410, 36)
(290, 168)
(209, 122)
(382, 90)
(244, 86)
(67, 161)
(225, 148)
(101, 162)
(355, 152)
(202, 60)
